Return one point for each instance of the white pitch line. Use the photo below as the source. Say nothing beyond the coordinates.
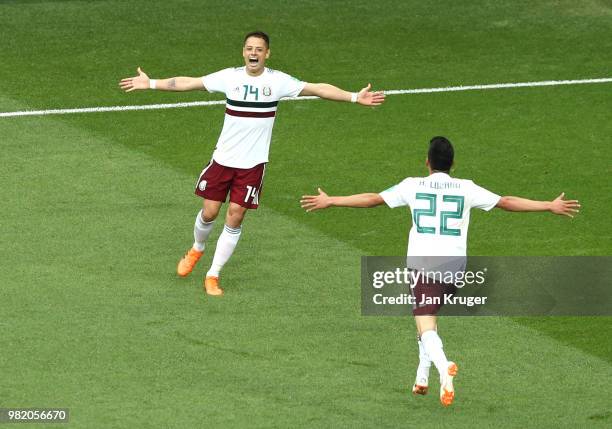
(498, 86)
(388, 92)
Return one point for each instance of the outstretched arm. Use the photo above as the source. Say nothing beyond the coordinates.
(330, 92)
(322, 201)
(559, 205)
(142, 81)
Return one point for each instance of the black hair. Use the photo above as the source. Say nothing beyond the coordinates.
(259, 34)
(441, 154)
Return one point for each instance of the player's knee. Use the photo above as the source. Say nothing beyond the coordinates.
(235, 215)
(209, 213)
(209, 216)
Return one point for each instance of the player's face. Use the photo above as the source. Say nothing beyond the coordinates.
(255, 53)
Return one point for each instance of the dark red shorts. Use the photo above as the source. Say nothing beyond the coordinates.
(430, 296)
(243, 184)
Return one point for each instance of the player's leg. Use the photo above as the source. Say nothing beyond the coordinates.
(204, 223)
(212, 185)
(432, 344)
(226, 244)
(244, 195)
(228, 239)
(427, 327)
(421, 381)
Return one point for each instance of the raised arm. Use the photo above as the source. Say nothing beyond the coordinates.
(559, 205)
(142, 81)
(330, 92)
(322, 201)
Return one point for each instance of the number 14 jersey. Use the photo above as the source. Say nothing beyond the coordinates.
(251, 103)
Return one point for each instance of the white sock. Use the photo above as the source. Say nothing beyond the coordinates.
(201, 231)
(433, 347)
(225, 247)
(422, 375)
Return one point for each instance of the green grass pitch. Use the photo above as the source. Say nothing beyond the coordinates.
(97, 209)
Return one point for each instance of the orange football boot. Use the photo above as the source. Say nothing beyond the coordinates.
(447, 391)
(211, 286)
(186, 264)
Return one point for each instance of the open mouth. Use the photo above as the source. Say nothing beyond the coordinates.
(253, 61)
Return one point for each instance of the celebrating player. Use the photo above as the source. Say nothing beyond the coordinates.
(239, 160)
(440, 206)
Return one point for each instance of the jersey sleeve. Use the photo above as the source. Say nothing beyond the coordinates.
(482, 198)
(397, 196)
(289, 86)
(216, 82)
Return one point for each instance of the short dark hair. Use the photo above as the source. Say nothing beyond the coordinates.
(259, 34)
(441, 154)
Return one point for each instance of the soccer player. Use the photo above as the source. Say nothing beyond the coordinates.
(239, 159)
(440, 207)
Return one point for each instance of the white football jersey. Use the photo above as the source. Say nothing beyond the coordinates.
(250, 109)
(440, 207)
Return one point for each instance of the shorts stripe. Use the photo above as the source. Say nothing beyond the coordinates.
(204, 171)
(263, 174)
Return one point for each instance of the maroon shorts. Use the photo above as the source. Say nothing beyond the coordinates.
(243, 184)
(430, 296)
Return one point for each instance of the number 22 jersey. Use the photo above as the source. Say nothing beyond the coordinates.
(440, 207)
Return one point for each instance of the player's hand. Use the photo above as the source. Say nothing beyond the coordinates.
(564, 207)
(315, 202)
(137, 82)
(369, 98)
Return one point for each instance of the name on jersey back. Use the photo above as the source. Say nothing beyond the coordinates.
(440, 185)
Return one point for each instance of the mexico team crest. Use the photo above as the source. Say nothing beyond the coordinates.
(267, 91)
